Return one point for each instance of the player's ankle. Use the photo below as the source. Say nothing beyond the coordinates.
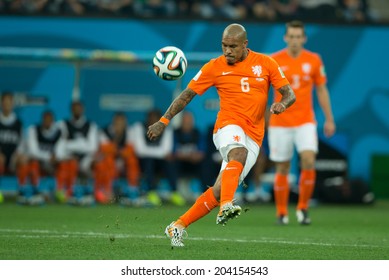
(180, 224)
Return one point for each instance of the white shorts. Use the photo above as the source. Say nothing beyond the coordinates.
(283, 139)
(233, 136)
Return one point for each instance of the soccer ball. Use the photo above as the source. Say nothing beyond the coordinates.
(170, 63)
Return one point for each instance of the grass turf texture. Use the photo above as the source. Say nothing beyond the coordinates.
(62, 232)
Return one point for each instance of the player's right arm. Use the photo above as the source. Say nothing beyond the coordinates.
(203, 80)
(325, 103)
(155, 130)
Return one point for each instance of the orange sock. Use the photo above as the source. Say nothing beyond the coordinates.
(281, 193)
(230, 181)
(22, 173)
(306, 187)
(103, 181)
(132, 165)
(72, 169)
(60, 176)
(203, 205)
(34, 168)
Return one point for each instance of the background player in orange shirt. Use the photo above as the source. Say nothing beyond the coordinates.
(242, 79)
(304, 70)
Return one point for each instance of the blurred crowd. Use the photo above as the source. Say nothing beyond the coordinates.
(113, 163)
(355, 11)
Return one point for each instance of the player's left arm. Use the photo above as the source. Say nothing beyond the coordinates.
(288, 98)
(323, 97)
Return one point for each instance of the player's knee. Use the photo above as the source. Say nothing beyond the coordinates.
(238, 154)
(21, 159)
(308, 164)
(307, 161)
(283, 168)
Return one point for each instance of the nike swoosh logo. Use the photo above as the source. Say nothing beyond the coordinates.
(226, 73)
(230, 168)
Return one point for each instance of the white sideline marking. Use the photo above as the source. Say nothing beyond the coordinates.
(36, 233)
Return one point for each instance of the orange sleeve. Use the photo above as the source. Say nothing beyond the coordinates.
(204, 79)
(319, 76)
(277, 77)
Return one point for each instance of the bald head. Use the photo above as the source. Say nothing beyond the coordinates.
(236, 31)
(234, 43)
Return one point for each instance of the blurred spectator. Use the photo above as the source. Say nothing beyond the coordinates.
(54, 7)
(260, 9)
(185, 8)
(76, 151)
(156, 159)
(116, 158)
(28, 6)
(12, 160)
(43, 6)
(189, 151)
(318, 10)
(218, 9)
(354, 10)
(154, 8)
(3, 5)
(285, 9)
(117, 7)
(42, 140)
(74, 7)
(268, 10)
(212, 160)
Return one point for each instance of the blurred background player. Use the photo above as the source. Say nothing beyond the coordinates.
(297, 126)
(116, 158)
(11, 143)
(76, 151)
(212, 160)
(242, 79)
(41, 143)
(188, 152)
(156, 160)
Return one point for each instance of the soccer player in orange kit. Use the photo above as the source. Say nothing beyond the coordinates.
(242, 78)
(304, 70)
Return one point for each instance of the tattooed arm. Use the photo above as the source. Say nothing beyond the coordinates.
(155, 130)
(288, 98)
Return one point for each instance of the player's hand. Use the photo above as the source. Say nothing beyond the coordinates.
(155, 130)
(277, 108)
(329, 128)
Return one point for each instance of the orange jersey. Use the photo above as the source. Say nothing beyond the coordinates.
(303, 73)
(243, 90)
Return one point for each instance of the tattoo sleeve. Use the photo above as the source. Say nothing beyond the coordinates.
(180, 102)
(288, 96)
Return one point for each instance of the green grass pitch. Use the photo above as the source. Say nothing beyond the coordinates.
(62, 232)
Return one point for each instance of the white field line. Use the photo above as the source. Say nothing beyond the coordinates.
(36, 234)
